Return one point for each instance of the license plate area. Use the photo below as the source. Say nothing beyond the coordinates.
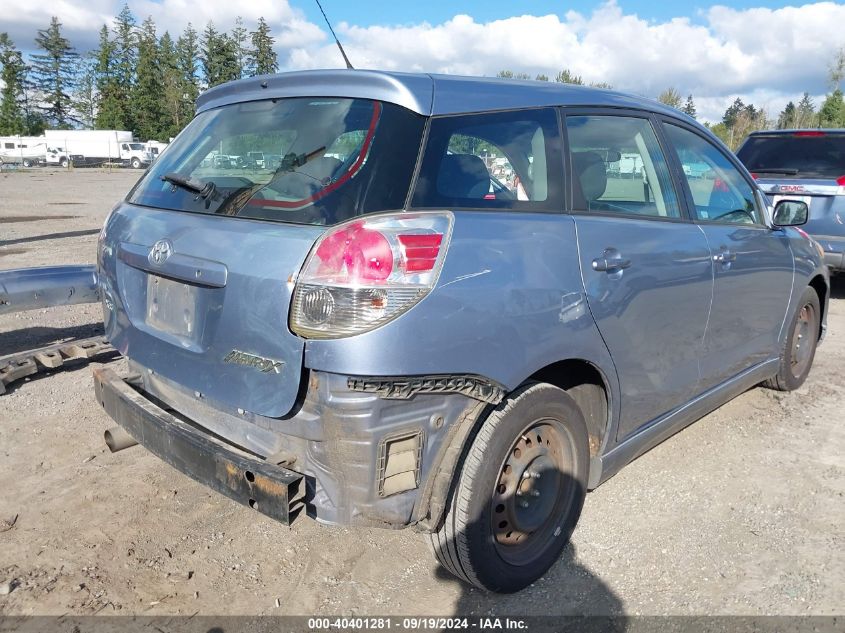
(172, 307)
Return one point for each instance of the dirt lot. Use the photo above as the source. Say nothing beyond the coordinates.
(742, 513)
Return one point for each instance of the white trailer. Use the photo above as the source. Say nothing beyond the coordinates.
(95, 147)
(23, 150)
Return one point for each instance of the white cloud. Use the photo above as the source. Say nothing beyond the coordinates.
(766, 56)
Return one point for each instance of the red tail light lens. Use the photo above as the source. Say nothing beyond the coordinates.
(355, 254)
(809, 133)
(841, 181)
(367, 272)
(420, 251)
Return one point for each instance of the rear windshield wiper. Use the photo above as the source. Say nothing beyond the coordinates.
(202, 189)
(787, 171)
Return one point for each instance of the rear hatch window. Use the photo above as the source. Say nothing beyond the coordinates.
(322, 161)
(809, 154)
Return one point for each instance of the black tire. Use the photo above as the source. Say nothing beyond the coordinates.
(27, 162)
(799, 347)
(499, 540)
(64, 163)
(136, 164)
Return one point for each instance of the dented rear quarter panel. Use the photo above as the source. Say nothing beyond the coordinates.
(509, 301)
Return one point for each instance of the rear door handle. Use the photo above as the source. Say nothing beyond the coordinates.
(725, 257)
(611, 264)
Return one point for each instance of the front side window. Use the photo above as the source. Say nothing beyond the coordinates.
(719, 191)
(502, 160)
(618, 167)
(301, 160)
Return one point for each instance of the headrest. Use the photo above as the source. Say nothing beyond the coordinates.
(463, 176)
(591, 173)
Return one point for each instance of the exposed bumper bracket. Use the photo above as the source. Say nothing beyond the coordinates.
(391, 388)
(272, 490)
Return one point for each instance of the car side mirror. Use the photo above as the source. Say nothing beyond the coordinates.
(790, 213)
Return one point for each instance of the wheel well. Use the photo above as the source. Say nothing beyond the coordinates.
(817, 283)
(585, 384)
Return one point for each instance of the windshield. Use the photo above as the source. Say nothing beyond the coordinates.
(795, 156)
(303, 160)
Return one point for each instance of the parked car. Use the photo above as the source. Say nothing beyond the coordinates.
(809, 164)
(255, 160)
(379, 341)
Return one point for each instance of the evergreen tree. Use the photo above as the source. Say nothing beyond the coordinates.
(689, 107)
(786, 119)
(188, 63)
(54, 73)
(217, 56)
(601, 84)
(671, 98)
(109, 106)
(567, 77)
(240, 39)
(832, 110)
(85, 95)
(125, 66)
(13, 74)
(805, 115)
(172, 89)
(541, 77)
(262, 57)
(147, 98)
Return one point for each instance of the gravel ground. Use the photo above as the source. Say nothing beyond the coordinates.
(741, 513)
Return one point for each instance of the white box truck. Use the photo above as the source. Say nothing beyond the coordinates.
(95, 147)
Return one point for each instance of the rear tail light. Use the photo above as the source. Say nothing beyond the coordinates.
(364, 273)
(809, 133)
(841, 181)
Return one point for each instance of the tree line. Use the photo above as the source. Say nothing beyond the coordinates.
(740, 119)
(148, 83)
(134, 80)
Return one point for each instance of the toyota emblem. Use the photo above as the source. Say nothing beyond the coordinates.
(160, 251)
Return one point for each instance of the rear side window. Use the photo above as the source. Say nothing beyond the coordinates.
(719, 191)
(300, 160)
(800, 155)
(618, 167)
(502, 160)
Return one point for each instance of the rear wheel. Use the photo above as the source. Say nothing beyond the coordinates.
(799, 349)
(27, 162)
(519, 492)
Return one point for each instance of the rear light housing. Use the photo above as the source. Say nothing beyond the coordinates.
(364, 273)
(841, 181)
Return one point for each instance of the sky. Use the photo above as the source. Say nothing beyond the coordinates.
(765, 52)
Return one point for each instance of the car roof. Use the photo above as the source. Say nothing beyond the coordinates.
(797, 130)
(425, 94)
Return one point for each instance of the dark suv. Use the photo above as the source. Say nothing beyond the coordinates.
(809, 165)
(455, 303)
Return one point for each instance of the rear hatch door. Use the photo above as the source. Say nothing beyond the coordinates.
(203, 301)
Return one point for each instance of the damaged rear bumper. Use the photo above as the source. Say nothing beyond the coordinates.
(272, 490)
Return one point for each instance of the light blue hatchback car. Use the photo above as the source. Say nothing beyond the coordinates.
(452, 303)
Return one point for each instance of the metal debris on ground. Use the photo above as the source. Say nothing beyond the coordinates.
(21, 365)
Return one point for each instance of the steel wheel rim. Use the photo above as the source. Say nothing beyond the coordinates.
(802, 340)
(533, 492)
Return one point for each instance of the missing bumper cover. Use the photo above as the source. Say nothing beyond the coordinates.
(405, 388)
